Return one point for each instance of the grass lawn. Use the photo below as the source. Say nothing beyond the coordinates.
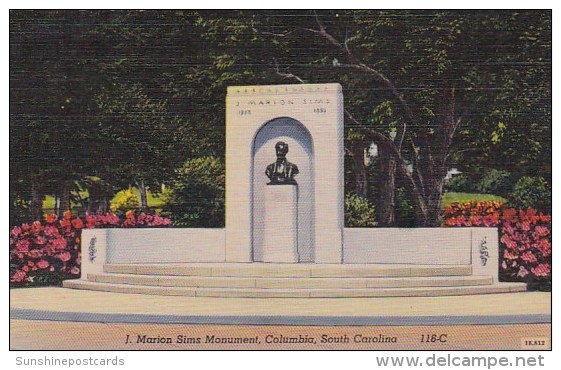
(158, 201)
(452, 197)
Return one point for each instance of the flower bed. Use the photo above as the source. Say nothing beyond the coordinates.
(524, 237)
(45, 253)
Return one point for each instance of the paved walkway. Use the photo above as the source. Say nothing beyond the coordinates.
(61, 304)
(66, 319)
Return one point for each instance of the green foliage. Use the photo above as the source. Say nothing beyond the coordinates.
(19, 211)
(461, 183)
(495, 182)
(151, 93)
(404, 211)
(359, 212)
(124, 201)
(197, 194)
(482, 181)
(531, 192)
(453, 197)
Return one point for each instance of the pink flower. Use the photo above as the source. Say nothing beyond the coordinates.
(522, 272)
(74, 270)
(542, 270)
(64, 256)
(90, 222)
(16, 231)
(508, 255)
(22, 246)
(508, 241)
(36, 227)
(59, 243)
(542, 231)
(42, 264)
(35, 253)
(19, 276)
(40, 240)
(529, 257)
(51, 230)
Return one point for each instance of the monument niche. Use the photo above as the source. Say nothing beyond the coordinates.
(280, 236)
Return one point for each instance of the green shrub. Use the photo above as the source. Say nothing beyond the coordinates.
(124, 201)
(196, 196)
(531, 192)
(460, 184)
(404, 209)
(358, 211)
(495, 182)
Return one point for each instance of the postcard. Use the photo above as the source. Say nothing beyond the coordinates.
(281, 180)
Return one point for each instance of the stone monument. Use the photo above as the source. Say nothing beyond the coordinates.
(284, 219)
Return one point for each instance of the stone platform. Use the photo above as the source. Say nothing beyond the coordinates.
(264, 280)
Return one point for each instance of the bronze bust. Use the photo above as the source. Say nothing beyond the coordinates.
(281, 172)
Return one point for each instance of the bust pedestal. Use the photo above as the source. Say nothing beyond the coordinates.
(280, 237)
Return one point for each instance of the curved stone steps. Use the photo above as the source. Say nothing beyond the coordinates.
(295, 293)
(289, 270)
(289, 282)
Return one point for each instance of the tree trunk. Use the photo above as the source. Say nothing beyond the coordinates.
(143, 194)
(98, 202)
(36, 201)
(361, 180)
(385, 209)
(65, 198)
(435, 205)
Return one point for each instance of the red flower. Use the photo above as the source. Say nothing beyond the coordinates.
(67, 215)
(77, 223)
(51, 218)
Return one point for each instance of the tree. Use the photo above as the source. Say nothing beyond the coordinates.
(124, 97)
(197, 195)
(443, 74)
